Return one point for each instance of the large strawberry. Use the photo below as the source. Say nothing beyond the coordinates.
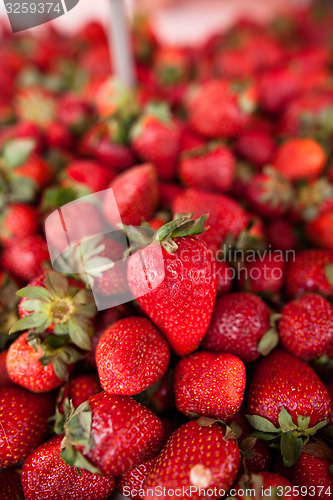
(27, 257)
(320, 230)
(45, 476)
(240, 325)
(132, 481)
(111, 434)
(87, 175)
(199, 454)
(131, 356)
(306, 327)
(262, 485)
(173, 278)
(287, 400)
(24, 423)
(17, 222)
(210, 384)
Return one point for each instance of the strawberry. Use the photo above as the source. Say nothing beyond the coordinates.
(329, 387)
(320, 231)
(276, 86)
(111, 434)
(35, 170)
(87, 174)
(113, 98)
(186, 262)
(210, 167)
(286, 392)
(46, 476)
(306, 327)
(17, 222)
(132, 481)
(226, 216)
(226, 111)
(300, 159)
(210, 384)
(131, 356)
(5, 379)
(262, 485)
(10, 485)
(26, 258)
(74, 112)
(199, 454)
(224, 275)
(136, 194)
(60, 304)
(257, 146)
(269, 193)
(24, 423)
(156, 139)
(310, 271)
(240, 326)
(167, 193)
(264, 275)
(59, 137)
(171, 66)
(281, 234)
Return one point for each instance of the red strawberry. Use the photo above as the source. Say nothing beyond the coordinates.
(131, 356)
(59, 137)
(36, 170)
(112, 434)
(261, 485)
(210, 384)
(226, 112)
(45, 476)
(306, 327)
(113, 98)
(10, 485)
(74, 112)
(167, 194)
(264, 275)
(156, 139)
(277, 86)
(188, 287)
(310, 271)
(17, 222)
(226, 217)
(24, 423)
(5, 379)
(300, 159)
(238, 326)
(198, 454)
(257, 146)
(281, 234)
(87, 174)
(26, 258)
(136, 194)
(171, 66)
(210, 167)
(320, 230)
(132, 481)
(224, 275)
(286, 392)
(329, 387)
(269, 193)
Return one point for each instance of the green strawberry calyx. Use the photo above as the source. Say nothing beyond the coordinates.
(270, 339)
(67, 309)
(78, 434)
(328, 270)
(207, 422)
(293, 437)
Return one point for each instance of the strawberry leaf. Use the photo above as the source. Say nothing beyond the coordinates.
(265, 436)
(80, 333)
(261, 424)
(291, 448)
(285, 421)
(74, 458)
(16, 152)
(35, 292)
(328, 270)
(60, 368)
(33, 320)
(302, 422)
(268, 342)
(56, 283)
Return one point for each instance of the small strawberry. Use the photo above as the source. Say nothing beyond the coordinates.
(87, 174)
(199, 454)
(59, 137)
(281, 234)
(263, 484)
(210, 384)
(10, 485)
(226, 216)
(226, 111)
(171, 66)
(257, 146)
(26, 258)
(45, 476)
(156, 139)
(264, 275)
(132, 482)
(310, 271)
(17, 222)
(210, 167)
(111, 434)
(188, 287)
(136, 194)
(24, 423)
(74, 112)
(320, 231)
(131, 356)
(269, 193)
(240, 326)
(286, 392)
(36, 170)
(306, 327)
(298, 159)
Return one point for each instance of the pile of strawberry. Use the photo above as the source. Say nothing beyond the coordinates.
(216, 380)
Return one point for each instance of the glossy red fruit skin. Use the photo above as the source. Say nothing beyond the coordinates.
(281, 234)
(268, 481)
(45, 476)
(125, 432)
(193, 450)
(20, 220)
(210, 384)
(25, 369)
(329, 387)
(133, 480)
(269, 195)
(167, 304)
(226, 216)
(256, 146)
(136, 195)
(131, 356)
(90, 174)
(282, 380)
(306, 327)
(320, 231)
(26, 258)
(239, 320)
(224, 275)
(306, 273)
(10, 484)
(80, 388)
(24, 416)
(265, 276)
(212, 170)
(5, 379)
(37, 170)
